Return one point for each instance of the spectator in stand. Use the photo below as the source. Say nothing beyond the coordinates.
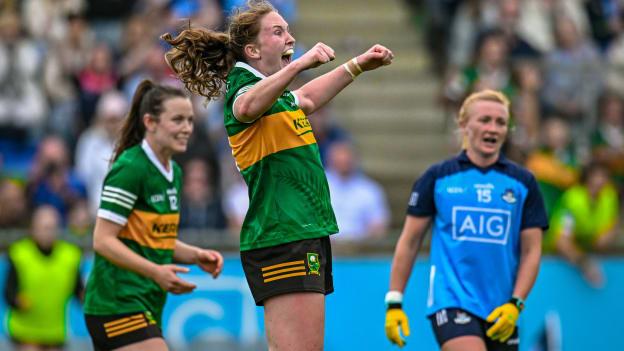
(201, 204)
(13, 204)
(358, 201)
(153, 68)
(508, 22)
(96, 78)
(439, 16)
(526, 109)
(22, 103)
(607, 140)
(537, 16)
(572, 77)
(96, 144)
(65, 59)
(327, 131)
(46, 20)
(585, 221)
(615, 65)
(554, 164)
(236, 199)
(489, 70)
(52, 181)
(471, 18)
(604, 19)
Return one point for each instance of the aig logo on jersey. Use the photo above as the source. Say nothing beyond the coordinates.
(478, 224)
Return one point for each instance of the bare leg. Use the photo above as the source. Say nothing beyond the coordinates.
(465, 343)
(295, 321)
(153, 344)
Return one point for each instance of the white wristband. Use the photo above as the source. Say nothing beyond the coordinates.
(393, 296)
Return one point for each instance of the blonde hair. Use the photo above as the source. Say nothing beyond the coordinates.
(483, 95)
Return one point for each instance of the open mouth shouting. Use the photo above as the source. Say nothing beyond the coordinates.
(490, 140)
(287, 56)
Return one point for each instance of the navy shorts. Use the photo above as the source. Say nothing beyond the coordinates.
(450, 323)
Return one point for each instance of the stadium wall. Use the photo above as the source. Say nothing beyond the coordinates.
(220, 314)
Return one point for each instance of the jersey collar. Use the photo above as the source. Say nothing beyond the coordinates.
(255, 72)
(152, 157)
(501, 162)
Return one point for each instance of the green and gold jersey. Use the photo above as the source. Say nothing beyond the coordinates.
(143, 197)
(279, 159)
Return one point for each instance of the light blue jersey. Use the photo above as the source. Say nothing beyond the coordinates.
(478, 215)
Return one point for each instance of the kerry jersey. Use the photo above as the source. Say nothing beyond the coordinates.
(143, 197)
(278, 157)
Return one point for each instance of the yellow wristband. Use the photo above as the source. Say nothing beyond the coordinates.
(357, 66)
(346, 67)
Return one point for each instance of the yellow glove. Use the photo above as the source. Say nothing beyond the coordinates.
(396, 322)
(505, 317)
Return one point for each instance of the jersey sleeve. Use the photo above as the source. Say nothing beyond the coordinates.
(421, 201)
(119, 193)
(240, 86)
(534, 213)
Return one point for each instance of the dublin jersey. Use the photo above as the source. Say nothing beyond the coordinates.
(143, 197)
(279, 159)
(478, 215)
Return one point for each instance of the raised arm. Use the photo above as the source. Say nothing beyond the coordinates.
(321, 90)
(257, 100)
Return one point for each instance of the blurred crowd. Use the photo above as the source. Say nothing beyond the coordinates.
(561, 63)
(68, 69)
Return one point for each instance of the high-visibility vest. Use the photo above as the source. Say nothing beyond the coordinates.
(46, 283)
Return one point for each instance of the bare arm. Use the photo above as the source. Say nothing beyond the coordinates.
(406, 250)
(253, 103)
(107, 244)
(530, 255)
(321, 90)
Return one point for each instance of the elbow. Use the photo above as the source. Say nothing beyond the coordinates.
(245, 112)
(98, 245)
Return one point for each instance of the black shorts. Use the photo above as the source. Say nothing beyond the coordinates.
(114, 331)
(449, 323)
(304, 265)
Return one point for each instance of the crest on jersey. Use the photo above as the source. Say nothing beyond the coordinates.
(509, 196)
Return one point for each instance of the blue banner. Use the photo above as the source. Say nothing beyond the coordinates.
(222, 312)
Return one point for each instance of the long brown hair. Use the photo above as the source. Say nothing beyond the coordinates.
(148, 98)
(202, 58)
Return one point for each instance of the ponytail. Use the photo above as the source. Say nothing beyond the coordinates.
(202, 58)
(148, 98)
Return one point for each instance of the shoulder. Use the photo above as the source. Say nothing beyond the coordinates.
(68, 247)
(443, 168)
(20, 247)
(519, 173)
(239, 77)
(130, 161)
(20, 243)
